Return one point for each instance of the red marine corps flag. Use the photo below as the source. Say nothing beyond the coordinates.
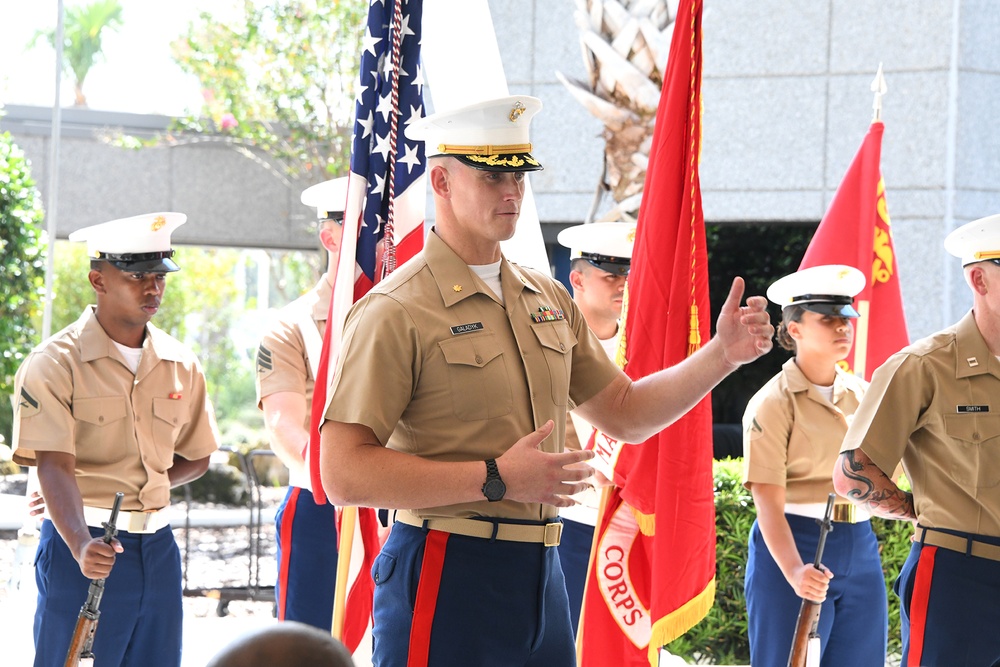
(653, 565)
(856, 231)
(383, 227)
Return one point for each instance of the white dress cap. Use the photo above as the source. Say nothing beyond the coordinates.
(490, 135)
(329, 198)
(828, 289)
(606, 245)
(140, 243)
(977, 241)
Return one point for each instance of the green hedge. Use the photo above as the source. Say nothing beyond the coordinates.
(721, 638)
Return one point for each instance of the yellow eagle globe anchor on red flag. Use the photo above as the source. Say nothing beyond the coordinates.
(653, 563)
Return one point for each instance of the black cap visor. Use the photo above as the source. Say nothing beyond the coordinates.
(618, 266)
(501, 162)
(831, 305)
(146, 262)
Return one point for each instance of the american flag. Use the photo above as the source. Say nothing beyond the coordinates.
(383, 109)
(383, 227)
(377, 202)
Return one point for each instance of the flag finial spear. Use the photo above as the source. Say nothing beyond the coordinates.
(878, 87)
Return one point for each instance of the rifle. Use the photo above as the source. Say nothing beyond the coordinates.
(806, 642)
(81, 646)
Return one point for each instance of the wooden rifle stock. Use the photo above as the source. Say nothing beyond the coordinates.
(81, 646)
(807, 626)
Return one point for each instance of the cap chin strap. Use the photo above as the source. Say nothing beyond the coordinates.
(132, 257)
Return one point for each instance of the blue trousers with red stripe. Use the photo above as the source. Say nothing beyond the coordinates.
(443, 599)
(854, 619)
(948, 607)
(140, 622)
(307, 559)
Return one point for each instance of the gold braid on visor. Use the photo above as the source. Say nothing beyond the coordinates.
(485, 149)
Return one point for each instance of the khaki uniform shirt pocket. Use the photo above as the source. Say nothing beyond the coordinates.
(169, 417)
(557, 340)
(478, 378)
(975, 459)
(102, 431)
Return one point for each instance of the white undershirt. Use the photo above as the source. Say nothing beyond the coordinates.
(826, 392)
(131, 355)
(490, 274)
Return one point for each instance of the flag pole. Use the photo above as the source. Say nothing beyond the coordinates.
(879, 89)
(348, 519)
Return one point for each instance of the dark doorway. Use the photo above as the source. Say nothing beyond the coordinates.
(760, 253)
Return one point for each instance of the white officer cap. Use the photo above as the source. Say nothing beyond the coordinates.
(490, 135)
(828, 289)
(977, 241)
(606, 245)
(329, 198)
(140, 244)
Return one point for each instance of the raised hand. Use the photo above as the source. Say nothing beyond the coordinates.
(745, 332)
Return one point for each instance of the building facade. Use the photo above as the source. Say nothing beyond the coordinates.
(786, 104)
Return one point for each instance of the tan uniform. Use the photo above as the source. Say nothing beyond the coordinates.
(74, 394)
(284, 363)
(285, 358)
(437, 367)
(934, 405)
(792, 434)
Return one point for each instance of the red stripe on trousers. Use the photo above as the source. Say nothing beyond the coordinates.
(427, 595)
(918, 604)
(287, 519)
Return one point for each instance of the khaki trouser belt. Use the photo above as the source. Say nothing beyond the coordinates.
(966, 545)
(547, 534)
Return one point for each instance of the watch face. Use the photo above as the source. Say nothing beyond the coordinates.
(494, 489)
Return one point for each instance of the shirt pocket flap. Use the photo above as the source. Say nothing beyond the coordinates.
(973, 428)
(555, 336)
(99, 411)
(477, 351)
(172, 411)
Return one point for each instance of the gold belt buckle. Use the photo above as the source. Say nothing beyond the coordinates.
(553, 534)
(844, 513)
(138, 521)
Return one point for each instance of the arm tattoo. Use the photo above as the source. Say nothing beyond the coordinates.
(874, 490)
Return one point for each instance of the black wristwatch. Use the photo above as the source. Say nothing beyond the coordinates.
(494, 488)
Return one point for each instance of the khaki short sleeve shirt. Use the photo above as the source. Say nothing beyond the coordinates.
(436, 366)
(792, 434)
(74, 394)
(935, 406)
(283, 362)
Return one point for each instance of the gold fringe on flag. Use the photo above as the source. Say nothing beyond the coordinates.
(646, 522)
(673, 625)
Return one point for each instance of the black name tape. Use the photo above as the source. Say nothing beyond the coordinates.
(973, 408)
(466, 328)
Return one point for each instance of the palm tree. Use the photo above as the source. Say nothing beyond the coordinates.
(625, 45)
(83, 26)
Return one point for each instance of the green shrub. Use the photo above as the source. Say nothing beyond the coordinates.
(22, 268)
(721, 638)
(221, 484)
